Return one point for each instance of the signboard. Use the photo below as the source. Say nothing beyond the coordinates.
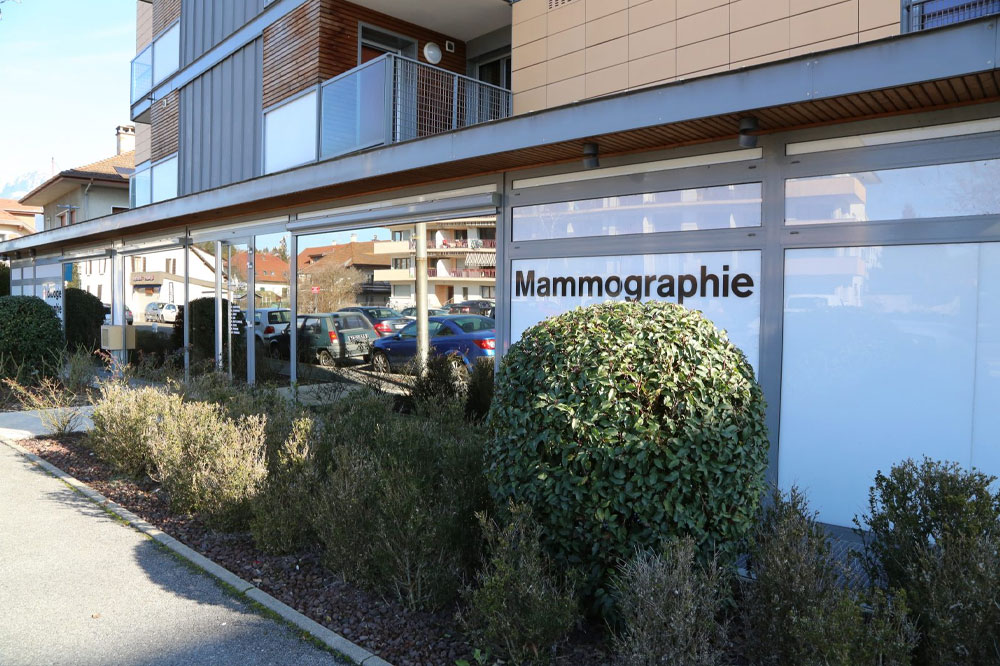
(314, 290)
(725, 286)
(49, 285)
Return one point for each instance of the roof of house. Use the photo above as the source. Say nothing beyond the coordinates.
(115, 170)
(14, 212)
(267, 267)
(357, 253)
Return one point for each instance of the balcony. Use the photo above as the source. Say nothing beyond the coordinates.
(463, 274)
(927, 14)
(384, 101)
(458, 244)
(156, 62)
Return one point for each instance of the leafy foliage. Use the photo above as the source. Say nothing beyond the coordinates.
(29, 357)
(623, 424)
(126, 421)
(84, 316)
(439, 383)
(479, 395)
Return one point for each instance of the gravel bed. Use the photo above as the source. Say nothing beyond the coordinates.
(398, 635)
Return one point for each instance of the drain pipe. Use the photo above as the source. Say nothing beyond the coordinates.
(86, 201)
(421, 274)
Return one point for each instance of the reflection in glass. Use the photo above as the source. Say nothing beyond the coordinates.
(723, 207)
(272, 302)
(154, 298)
(887, 351)
(939, 190)
(235, 288)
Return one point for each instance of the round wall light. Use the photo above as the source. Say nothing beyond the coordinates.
(432, 53)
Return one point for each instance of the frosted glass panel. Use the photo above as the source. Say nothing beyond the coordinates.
(723, 207)
(889, 353)
(166, 53)
(141, 183)
(290, 134)
(165, 180)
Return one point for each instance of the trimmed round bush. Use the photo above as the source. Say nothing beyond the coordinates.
(31, 337)
(625, 424)
(84, 316)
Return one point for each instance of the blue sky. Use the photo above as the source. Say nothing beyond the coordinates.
(64, 82)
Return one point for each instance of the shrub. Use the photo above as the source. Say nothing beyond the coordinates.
(202, 333)
(520, 608)
(4, 279)
(671, 607)
(27, 357)
(414, 484)
(126, 421)
(281, 512)
(210, 463)
(53, 401)
(84, 316)
(932, 531)
(440, 382)
(622, 424)
(480, 390)
(797, 608)
(79, 371)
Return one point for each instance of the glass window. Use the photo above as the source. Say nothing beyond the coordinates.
(290, 134)
(164, 180)
(723, 207)
(888, 351)
(473, 324)
(141, 185)
(939, 190)
(166, 53)
(142, 73)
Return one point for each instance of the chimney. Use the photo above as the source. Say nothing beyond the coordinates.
(125, 137)
(354, 238)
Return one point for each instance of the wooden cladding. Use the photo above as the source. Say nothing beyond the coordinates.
(165, 12)
(164, 126)
(320, 40)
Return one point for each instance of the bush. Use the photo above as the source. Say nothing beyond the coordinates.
(54, 402)
(414, 484)
(520, 608)
(440, 382)
(480, 390)
(84, 316)
(623, 424)
(671, 608)
(202, 333)
(932, 531)
(797, 608)
(126, 423)
(28, 357)
(210, 463)
(4, 279)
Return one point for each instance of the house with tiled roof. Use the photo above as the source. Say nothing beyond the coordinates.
(360, 255)
(89, 191)
(271, 277)
(16, 219)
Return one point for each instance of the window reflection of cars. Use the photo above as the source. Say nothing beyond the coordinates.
(464, 338)
(108, 319)
(327, 338)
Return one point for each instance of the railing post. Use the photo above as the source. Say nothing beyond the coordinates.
(454, 102)
(391, 113)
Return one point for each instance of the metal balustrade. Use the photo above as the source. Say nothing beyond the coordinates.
(926, 14)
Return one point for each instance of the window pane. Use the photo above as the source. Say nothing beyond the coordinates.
(884, 358)
(724, 207)
(166, 53)
(272, 297)
(141, 183)
(165, 180)
(142, 73)
(939, 190)
(290, 134)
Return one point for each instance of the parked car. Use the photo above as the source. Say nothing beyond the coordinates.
(327, 338)
(479, 307)
(107, 315)
(465, 338)
(385, 320)
(268, 323)
(411, 313)
(152, 313)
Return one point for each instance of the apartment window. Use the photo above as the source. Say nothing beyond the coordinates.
(488, 292)
(66, 218)
(402, 290)
(495, 72)
(376, 42)
(164, 184)
(401, 235)
(403, 263)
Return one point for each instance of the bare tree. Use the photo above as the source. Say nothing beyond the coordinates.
(339, 286)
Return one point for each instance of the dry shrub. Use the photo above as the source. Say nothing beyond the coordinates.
(126, 423)
(671, 608)
(53, 401)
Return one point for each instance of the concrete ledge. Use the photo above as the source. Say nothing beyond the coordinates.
(329, 638)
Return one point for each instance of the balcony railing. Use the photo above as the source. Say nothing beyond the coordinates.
(462, 273)
(457, 244)
(392, 99)
(926, 14)
(156, 62)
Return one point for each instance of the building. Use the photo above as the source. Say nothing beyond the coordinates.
(462, 262)
(818, 177)
(89, 191)
(16, 219)
(317, 264)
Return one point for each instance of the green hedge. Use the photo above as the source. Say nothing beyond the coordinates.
(622, 424)
(31, 337)
(84, 316)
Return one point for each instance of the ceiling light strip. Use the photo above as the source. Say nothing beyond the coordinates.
(894, 136)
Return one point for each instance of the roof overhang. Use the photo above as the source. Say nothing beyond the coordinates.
(62, 184)
(463, 20)
(892, 76)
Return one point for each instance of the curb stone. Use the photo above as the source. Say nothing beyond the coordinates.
(327, 637)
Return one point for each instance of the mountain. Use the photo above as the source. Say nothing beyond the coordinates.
(21, 185)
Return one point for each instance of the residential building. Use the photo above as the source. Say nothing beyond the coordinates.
(818, 177)
(361, 256)
(462, 262)
(89, 191)
(16, 219)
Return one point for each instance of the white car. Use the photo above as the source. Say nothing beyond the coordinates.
(168, 313)
(269, 323)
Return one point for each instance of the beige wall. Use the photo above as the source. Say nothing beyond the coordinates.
(143, 24)
(587, 48)
(143, 143)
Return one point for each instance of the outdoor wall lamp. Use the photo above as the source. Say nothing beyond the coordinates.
(590, 156)
(748, 125)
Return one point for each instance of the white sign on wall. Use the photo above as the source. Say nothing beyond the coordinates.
(50, 287)
(725, 286)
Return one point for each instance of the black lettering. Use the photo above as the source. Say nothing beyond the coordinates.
(666, 287)
(563, 282)
(650, 279)
(741, 280)
(543, 286)
(687, 286)
(524, 286)
(592, 283)
(613, 293)
(633, 287)
(705, 277)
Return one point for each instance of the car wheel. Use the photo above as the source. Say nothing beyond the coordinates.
(273, 351)
(380, 363)
(458, 366)
(326, 359)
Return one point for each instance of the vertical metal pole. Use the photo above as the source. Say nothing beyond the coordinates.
(423, 345)
(251, 311)
(187, 312)
(218, 306)
(229, 301)
(118, 302)
(454, 103)
(293, 305)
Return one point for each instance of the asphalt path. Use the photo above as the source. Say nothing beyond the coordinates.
(78, 587)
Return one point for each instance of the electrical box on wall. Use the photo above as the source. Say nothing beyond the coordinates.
(449, 46)
(111, 337)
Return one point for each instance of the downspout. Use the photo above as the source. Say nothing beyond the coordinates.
(86, 201)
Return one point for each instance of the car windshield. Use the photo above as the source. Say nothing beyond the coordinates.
(383, 313)
(279, 317)
(473, 324)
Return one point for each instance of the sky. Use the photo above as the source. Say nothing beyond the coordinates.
(64, 83)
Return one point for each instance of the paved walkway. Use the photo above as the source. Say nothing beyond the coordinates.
(79, 587)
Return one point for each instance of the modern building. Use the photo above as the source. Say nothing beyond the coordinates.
(462, 261)
(16, 219)
(817, 176)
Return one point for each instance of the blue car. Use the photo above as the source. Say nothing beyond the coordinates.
(465, 338)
